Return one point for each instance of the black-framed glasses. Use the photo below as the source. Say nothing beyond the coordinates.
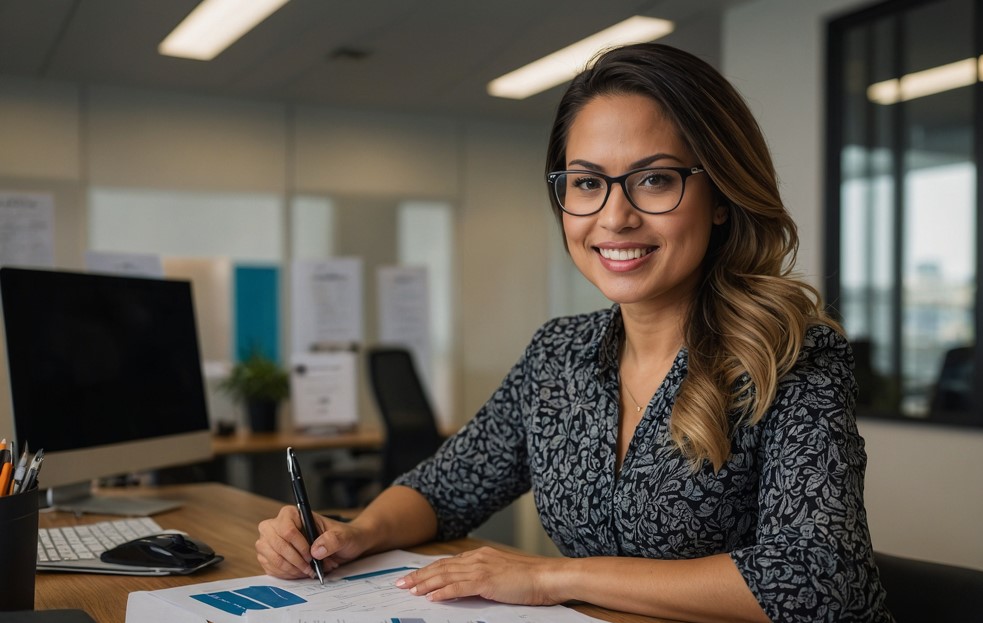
(654, 190)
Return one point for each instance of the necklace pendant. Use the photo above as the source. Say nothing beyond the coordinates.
(638, 409)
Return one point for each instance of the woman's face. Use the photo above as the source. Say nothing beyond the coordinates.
(613, 134)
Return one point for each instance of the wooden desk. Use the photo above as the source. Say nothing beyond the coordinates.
(223, 517)
(359, 438)
(246, 442)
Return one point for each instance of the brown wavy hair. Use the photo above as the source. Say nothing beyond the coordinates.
(750, 314)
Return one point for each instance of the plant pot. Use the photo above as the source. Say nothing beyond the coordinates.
(262, 415)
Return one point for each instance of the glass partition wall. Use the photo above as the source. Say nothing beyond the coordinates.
(902, 198)
(204, 236)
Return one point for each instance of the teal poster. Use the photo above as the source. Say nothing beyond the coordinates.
(257, 311)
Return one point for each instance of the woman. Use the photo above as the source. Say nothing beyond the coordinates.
(692, 450)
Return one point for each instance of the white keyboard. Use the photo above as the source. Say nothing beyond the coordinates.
(87, 541)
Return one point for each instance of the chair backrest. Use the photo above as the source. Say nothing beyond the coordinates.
(954, 388)
(927, 591)
(411, 428)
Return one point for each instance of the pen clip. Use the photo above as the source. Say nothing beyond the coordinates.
(291, 462)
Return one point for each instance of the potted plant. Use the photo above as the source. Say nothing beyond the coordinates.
(260, 384)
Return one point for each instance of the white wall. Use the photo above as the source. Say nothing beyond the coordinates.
(162, 140)
(40, 125)
(503, 252)
(924, 488)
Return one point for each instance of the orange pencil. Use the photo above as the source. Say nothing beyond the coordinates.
(6, 468)
(5, 473)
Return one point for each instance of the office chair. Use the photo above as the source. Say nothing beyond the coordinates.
(408, 420)
(954, 390)
(919, 591)
(411, 427)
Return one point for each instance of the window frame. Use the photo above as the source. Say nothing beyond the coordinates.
(837, 30)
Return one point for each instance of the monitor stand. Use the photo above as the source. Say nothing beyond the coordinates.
(79, 498)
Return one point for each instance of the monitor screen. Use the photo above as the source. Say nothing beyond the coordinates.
(105, 372)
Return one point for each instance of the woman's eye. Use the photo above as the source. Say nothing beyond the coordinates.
(656, 180)
(588, 183)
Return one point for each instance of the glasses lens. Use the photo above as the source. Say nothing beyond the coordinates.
(580, 192)
(655, 190)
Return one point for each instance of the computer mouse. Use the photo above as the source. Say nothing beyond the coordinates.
(169, 550)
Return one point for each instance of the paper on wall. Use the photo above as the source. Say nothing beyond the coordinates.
(27, 229)
(326, 304)
(404, 314)
(324, 389)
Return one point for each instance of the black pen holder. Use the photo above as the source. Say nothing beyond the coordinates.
(18, 550)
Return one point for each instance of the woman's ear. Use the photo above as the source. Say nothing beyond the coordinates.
(720, 214)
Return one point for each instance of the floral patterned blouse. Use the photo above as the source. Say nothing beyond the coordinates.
(787, 505)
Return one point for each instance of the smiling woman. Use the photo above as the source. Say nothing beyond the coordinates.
(691, 449)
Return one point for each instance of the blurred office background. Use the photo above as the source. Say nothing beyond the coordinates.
(343, 128)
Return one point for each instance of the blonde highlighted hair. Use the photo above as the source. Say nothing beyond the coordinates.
(751, 313)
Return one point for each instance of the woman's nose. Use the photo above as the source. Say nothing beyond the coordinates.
(618, 213)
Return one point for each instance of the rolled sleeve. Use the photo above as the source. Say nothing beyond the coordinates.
(812, 559)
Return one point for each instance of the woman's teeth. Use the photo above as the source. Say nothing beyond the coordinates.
(624, 254)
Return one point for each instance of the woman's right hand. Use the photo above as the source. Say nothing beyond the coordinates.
(283, 551)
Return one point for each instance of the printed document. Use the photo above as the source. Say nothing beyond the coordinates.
(27, 223)
(363, 591)
(326, 303)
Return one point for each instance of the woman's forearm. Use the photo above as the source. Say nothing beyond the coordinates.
(397, 517)
(703, 589)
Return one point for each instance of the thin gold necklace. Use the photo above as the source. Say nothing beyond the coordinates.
(638, 407)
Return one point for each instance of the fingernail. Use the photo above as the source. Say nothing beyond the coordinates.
(413, 590)
(319, 552)
(401, 582)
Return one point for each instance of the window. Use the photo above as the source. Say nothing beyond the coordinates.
(903, 196)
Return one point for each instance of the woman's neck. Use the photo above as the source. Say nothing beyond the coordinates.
(651, 335)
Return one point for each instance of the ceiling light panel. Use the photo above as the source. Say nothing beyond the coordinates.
(927, 82)
(214, 25)
(564, 64)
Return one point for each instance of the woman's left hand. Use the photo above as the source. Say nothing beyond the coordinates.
(490, 573)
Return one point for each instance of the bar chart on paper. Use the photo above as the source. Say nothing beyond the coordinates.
(373, 591)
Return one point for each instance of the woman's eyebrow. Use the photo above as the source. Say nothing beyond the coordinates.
(648, 160)
(585, 164)
(638, 164)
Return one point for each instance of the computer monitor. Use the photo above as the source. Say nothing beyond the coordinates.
(106, 377)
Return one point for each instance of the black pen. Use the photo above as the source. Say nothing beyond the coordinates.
(21, 472)
(31, 478)
(304, 506)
